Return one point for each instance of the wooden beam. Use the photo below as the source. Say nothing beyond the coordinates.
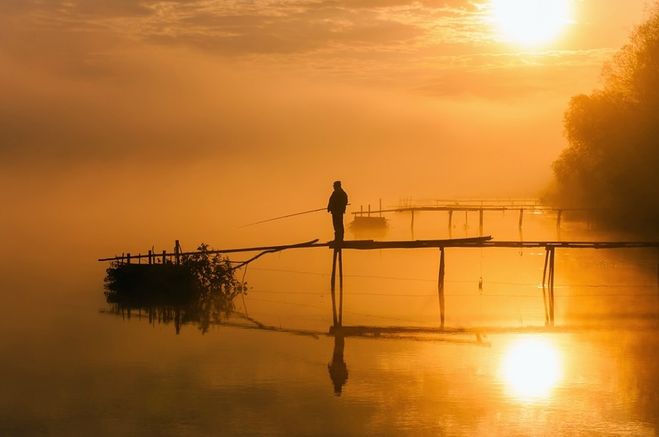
(333, 287)
(544, 291)
(475, 242)
(340, 287)
(440, 286)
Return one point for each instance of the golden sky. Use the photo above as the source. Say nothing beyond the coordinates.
(396, 97)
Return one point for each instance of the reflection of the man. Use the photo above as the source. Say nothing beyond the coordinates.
(338, 370)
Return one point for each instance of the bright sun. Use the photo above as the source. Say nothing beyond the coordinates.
(531, 368)
(530, 22)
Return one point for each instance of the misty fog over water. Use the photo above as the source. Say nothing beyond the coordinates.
(71, 366)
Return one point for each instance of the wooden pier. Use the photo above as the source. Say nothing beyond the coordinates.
(473, 206)
(440, 245)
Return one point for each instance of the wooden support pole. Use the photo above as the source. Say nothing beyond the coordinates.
(521, 217)
(177, 252)
(164, 256)
(333, 287)
(450, 220)
(369, 209)
(139, 258)
(150, 257)
(440, 286)
(544, 290)
(340, 287)
(380, 207)
(558, 219)
(128, 258)
(480, 221)
(552, 257)
(412, 224)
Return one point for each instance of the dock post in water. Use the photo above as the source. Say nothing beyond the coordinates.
(128, 258)
(521, 217)
(177, 252)
(544, 289)
(552, 256)
(340, 287)
(440, 286)
(558, 219)
(333, 287)
(450, 222)
(480, 221)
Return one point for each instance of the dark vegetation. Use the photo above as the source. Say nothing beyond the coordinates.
(612, 159)
(201, 289)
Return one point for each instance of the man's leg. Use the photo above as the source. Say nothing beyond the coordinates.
(337, 221)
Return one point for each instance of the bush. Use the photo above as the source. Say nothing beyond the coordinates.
(200, 289)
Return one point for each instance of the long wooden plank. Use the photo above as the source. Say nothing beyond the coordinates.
(311, 243)
(405, 244)
(476, 242)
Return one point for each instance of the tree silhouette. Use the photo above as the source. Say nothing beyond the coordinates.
(612, 159)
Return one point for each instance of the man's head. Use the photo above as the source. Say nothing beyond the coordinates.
(337, 185)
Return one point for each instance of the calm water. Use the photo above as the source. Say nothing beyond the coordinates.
(71, 368)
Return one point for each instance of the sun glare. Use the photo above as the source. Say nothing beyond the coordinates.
(531, 368)
(530, 22)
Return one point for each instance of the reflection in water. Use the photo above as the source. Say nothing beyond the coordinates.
(338, 370)
(531, 368)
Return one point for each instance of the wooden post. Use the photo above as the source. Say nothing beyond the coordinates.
(361, 210)
(658, 269)
(412, 224)
(128, 258)
(150, 259)
(544, 291)
(551, 285)
(369, 209)
(380, 207)
(450, 222)
(521, 217)
(558, 220)
(164, 256)
(139, 258)
(480, 221)
(333, 288)
(440, 286)
(340, 287)
(177, 252)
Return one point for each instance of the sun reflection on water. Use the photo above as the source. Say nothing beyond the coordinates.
(531, 368)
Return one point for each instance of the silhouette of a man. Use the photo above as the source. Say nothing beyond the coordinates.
(337, 206)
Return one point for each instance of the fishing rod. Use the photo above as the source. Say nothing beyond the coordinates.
(286, 216)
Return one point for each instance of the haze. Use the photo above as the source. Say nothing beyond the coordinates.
(179, 117)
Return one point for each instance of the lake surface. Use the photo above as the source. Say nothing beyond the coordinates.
(71, 367)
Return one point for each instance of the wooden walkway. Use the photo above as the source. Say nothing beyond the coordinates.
(472, 206)
(440, 245)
